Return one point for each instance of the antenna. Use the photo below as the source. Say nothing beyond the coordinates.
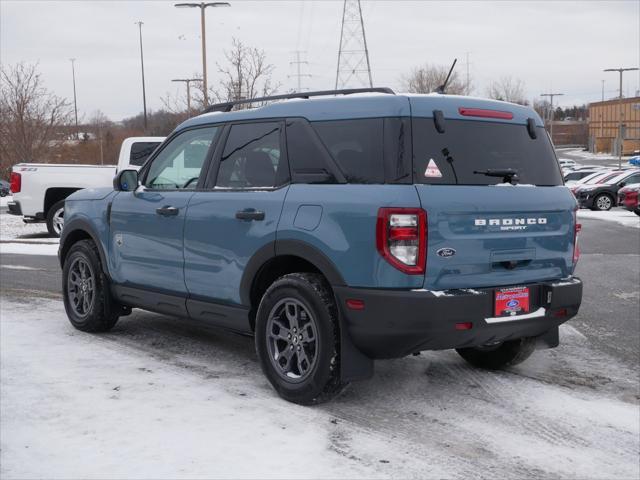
(442, 88)
(353, 69)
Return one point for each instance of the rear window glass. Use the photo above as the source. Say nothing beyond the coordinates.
(468, 146)
(140, 151)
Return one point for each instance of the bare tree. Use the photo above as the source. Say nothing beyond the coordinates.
(99, 123)
(428, 78)
(31, 117)
(246, 75)
(508, 89)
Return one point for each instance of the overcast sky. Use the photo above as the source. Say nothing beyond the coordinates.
(552, 46)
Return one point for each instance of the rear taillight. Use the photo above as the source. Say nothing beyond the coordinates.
(576, 247)
(401, 238)
(16, 182)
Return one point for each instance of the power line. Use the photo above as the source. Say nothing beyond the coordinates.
(354, 69)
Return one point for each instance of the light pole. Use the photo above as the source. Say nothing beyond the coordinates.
(552, 112)
(620, 70)
(202, 6)
(75, 102)
(188, 82)
(144, 95)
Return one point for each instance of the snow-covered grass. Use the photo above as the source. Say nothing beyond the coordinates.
(617, 215)
(167, 398)
(25, 238)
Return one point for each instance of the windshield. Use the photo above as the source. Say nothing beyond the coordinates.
(468, 147)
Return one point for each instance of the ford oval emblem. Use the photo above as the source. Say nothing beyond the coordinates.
(446, 252)
(513, 303)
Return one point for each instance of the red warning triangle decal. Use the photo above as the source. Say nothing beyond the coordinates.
(432, 170)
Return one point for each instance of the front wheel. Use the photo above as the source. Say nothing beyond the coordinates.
(297, 339)
(602, 202)
(505, 354)
(85, 290)
(55, 219)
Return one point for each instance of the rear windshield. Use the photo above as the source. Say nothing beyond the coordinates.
(468, 146)
(140, 151)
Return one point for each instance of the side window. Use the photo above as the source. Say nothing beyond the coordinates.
(632, 179)
(307, 155)
(252, 157)
(179, 164)
(140, 151)
(357, 147)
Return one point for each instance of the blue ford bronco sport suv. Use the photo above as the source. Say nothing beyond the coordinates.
(338, 229)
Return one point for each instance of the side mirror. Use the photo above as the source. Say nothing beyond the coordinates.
(622, 184)
(125, 181)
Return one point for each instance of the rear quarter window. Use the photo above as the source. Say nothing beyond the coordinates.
(140, 151)
(469, 146)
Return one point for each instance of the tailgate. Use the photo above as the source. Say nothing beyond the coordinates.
(484, 236)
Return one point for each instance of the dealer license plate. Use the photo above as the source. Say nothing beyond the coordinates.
(511, 301)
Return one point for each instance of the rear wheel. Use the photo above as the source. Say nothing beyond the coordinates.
(297, 338)
(602, 202)
(637, 211)
(55, 219)
(505, 354)
(85, 290)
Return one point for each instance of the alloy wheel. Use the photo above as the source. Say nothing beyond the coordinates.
(58, 220)
(292, 340)
(603, 203)
(81, 287)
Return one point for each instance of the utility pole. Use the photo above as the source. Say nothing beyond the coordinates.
(75, 102)
(353, 54)
(297, 62)
(202, 6)
(468, 78)
(144, 94)
(551, 95)
(188, 82)
(620, 139)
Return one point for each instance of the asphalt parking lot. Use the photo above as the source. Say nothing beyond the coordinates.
(572, 411)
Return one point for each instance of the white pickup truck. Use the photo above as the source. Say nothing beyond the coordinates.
(39, 189)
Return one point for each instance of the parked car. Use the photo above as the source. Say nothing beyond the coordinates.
(338, 230)
(597, 177)
(575, 175)
(5, 188)
(628, 198)
(566, 163)
(40, 189)
(635, 161)
(603, 195)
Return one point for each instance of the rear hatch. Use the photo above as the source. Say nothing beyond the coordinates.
(485, 230)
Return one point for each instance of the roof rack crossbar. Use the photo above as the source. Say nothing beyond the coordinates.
(228, 106)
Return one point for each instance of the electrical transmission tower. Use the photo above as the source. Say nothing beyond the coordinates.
(354, 69)
(299, 75)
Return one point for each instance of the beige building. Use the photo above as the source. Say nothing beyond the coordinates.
(604, 119)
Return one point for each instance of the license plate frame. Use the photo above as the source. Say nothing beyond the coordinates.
(511, 301)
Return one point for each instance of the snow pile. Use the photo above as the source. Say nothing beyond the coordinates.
(25, 238)
(620, 216)
(165, 398)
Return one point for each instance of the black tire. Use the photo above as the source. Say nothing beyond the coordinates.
(102, 312)
(637, 211)
(506, 354)
(603, 202)
(314, 297)
(53, 217)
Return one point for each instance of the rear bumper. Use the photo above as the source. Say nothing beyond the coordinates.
(396, 323)
(14, 208)
(585, 200)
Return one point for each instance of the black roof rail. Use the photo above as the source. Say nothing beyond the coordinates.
(228, 106)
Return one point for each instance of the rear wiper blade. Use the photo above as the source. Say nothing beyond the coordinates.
(508, 175)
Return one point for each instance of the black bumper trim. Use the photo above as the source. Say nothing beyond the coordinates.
(396, 323)
(14, 208)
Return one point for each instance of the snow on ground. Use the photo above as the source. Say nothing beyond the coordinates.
(618, 215)
(591, 156)
(165, 398)
(13, 228)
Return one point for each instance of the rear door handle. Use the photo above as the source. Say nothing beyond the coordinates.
(167, 211)
(250, 214)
